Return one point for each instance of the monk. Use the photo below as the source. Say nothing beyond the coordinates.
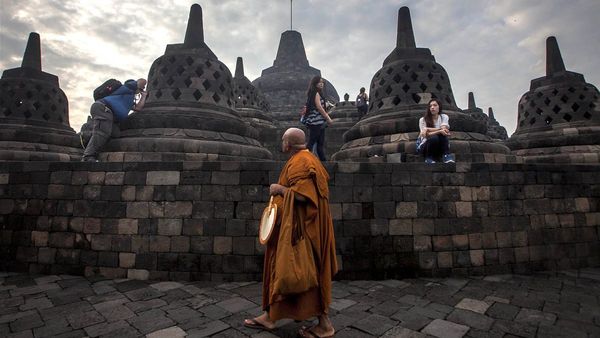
(303, 187)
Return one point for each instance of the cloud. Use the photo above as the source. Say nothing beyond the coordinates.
(493, 48)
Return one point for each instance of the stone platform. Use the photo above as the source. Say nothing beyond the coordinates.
(546, 304)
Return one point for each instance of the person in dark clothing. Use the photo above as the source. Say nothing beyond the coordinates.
(110, 110)
(434, 130)
(317, 118)
(362, 102)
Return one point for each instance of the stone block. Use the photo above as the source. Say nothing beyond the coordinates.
(114, 178)
(470, 318)
(460, 242)
(519, 238)
(156, 209)
(126, 260)
(61, 240)
(506, 255)
(108, 259)
(39, 238)
(351, 211)
(427, 260)
(169, 227)
(225, 178)
(159, 243)
(401, 227)
(423, 226)
(128, 193)
(139, 274)
(46, 255)
(144, 193)
(224, 210)
(101, 242)
(243, 245)
(91, 225)
(162, 178)
(127, 226)
(145, 261)
(223, 245)
(489, 240)
(464, 209)
(473, 305)
(406, 210)
(178, 209)
(504, 239)
(96, 177)
(477, 257)
(491, 256)
(442, 243)
(180, 244)
(192, 227)
(121, 243)
(137, 210)
(422, 243)
(201, 245)
(204, 209)
(384, 209)
(444, 259)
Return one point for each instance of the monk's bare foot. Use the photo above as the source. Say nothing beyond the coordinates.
(317, 331)
(262, 322)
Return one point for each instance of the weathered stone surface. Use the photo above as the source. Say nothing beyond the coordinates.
(443, 328)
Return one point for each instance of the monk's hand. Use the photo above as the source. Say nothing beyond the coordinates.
(277, 189)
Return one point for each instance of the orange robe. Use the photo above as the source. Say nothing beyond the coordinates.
(303, 174)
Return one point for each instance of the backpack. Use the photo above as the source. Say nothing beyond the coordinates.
(360, 101)
(303, 115)
(107, 88)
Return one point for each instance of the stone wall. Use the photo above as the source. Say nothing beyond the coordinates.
(192, 220)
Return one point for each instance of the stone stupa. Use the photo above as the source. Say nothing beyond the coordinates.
(559, 117)
(250, 103)
(34, 113)
(495, 130)
(286, 82)
(190, 110)
(399, 94)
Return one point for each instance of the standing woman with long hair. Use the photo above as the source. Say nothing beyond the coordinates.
(434, 130)
(317, 118)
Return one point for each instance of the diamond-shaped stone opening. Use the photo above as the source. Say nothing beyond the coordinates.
(377, 74)
(158, 94)
(60, 100)
(587, 115)
(585, 89)
(155, 83)
(396, 100)
(532, 104)
(423, 87)
(217, 75)
(521, 123)
(222, 88)
(172, 59)
(18, 102)
(397, 78)
(29, 94)
(180, 70)
(567, 117)
(389, 70)
(575, 107)
(380, 104)
(430, 76)
(208, 63)
(170, 81)
(539, 111)
(532, 121)
(388, 90)
(164, 70)
(376, 94)
(189, 60)
(176, 93)
(416, 98)
(216, 97)
(188, 82)
(406, 88)
(439, 87)
(581, 97)
(414, 76)
(206, 84)
(406, 68)
(526, 114)
(555, 92)
(421, 66)
(38, 88)
(592, 105)
(539, 94)
(47, 97)
(571, 89)
(46, 117)
(442, 77)
(448, 100)
(564, 98)
(199, 71)
(547, 101)
(37, 105)
(556, 109)
(548, 120)
(381, 82)
(197, 94)
(434, 67)
(53, 108)
(27, 114)
(221, 67)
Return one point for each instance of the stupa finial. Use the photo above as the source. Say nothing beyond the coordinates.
(491, 114)
(33, 54)
(406, 37)
(472, 105)
(194, 34)
(239, 67)
(554, 61)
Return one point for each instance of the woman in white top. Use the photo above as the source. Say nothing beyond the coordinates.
(434, 130)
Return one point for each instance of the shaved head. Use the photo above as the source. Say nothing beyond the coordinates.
(293, 139)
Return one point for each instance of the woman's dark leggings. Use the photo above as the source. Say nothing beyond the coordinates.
(316, 136)
(436, 146)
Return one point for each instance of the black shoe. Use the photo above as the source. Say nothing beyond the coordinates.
(89, 159)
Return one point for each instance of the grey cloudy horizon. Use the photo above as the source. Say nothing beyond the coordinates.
(491, 48)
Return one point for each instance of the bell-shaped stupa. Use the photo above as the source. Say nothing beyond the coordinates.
(34, 113)
(559, 117)
(250, 103)
(286, 82)
(399, 94)
(190, 110)
(345, 115)
(495, 130)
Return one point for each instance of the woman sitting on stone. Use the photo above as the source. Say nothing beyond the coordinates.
(434, 131)
(317, 118)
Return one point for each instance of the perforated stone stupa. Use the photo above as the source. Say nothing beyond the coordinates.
(559, 117)
(34, 113)
(190, 110)
(250, 103)
(285, 83)
(399, 94)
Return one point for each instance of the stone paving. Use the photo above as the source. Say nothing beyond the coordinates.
(548, 304)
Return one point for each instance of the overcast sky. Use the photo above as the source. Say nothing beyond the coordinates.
(493, 48)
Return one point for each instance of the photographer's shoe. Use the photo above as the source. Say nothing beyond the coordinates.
(429, 160)
(448, 158)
